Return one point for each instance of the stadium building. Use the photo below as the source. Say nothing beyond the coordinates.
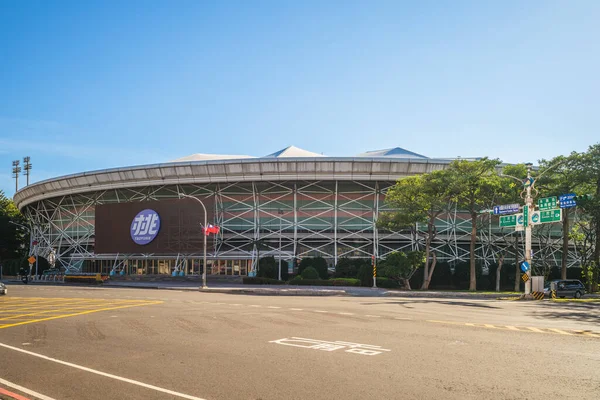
(289, 204)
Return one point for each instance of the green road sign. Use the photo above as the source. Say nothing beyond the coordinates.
(551, 216)
(548, 203)
(508, 220)
(526, 216)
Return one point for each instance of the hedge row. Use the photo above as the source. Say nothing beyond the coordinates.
(247, 280)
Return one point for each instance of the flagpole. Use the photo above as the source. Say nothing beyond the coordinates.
(204, 286)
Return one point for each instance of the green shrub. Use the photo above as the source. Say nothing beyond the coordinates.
(310, 273)
(346, 268)
(442, 276)
(247, 280)
(304, 263)
(416, 282)
(311, 282)
(267, 268)
(387, 283)
(318, 263)
(365, 275)
(462, 275)
(483, 283)
(345, 282)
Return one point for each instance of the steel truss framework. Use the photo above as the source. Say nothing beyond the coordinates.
(287, 219)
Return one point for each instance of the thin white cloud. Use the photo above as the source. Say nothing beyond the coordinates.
(52, 138)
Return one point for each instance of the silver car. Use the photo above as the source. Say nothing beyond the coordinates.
(3, 289)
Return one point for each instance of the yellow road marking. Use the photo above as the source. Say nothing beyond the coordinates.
(535, 330)
(89, 306)
(560, 331)
(520, 329)
(33, 314)
(586, 333)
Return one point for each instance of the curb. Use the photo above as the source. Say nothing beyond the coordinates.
(278, 292)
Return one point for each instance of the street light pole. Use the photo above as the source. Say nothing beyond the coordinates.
(280, 212)
(529, 205)
(204, 235)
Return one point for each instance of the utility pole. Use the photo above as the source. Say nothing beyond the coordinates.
(15, 170)
(528, 209)
(27, 167)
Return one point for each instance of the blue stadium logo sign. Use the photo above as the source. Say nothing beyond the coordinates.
(145, 226)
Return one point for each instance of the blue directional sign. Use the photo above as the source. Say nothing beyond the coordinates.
(567, 200)
(524, 266)
(506, 209)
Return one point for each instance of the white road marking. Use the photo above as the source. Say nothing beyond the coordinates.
(25, 390)
(296, 309)
(373, 316)
(403, 319)
(107, 375)
(254, 305)
(323, 345)
(273, 307)
(320, 311)
(346, 313)
(235, 304)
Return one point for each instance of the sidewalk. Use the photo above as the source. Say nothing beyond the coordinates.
(281, 290)
(286, 290)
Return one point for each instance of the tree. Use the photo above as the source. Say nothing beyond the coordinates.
(419, 199)
(13, 240)
(560, 179)
(588, 179)
(401, 266)
(475, 184)
(510, 193)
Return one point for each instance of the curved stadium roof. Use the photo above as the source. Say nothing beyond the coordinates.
(290, 163)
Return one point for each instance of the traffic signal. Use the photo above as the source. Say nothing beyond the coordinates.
(582, 197)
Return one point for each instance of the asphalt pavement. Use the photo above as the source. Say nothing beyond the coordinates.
(121, 343)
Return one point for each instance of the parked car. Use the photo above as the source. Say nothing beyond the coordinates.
(3, 289)
(566, 288)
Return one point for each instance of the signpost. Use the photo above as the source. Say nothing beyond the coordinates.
(567, 200)
(506, 209)
(551, 216)
(548, 203)
(548, 212)
(535, 217)
(509, 220)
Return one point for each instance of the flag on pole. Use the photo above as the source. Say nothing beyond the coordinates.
(210, 228)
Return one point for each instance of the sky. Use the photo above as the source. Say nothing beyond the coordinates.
(88, 85)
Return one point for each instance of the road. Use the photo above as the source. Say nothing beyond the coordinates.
(101, 343)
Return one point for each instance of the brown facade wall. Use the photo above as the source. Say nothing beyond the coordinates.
(180, 230)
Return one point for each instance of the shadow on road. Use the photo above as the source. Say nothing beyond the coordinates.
(408, 303)
(581, 312)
